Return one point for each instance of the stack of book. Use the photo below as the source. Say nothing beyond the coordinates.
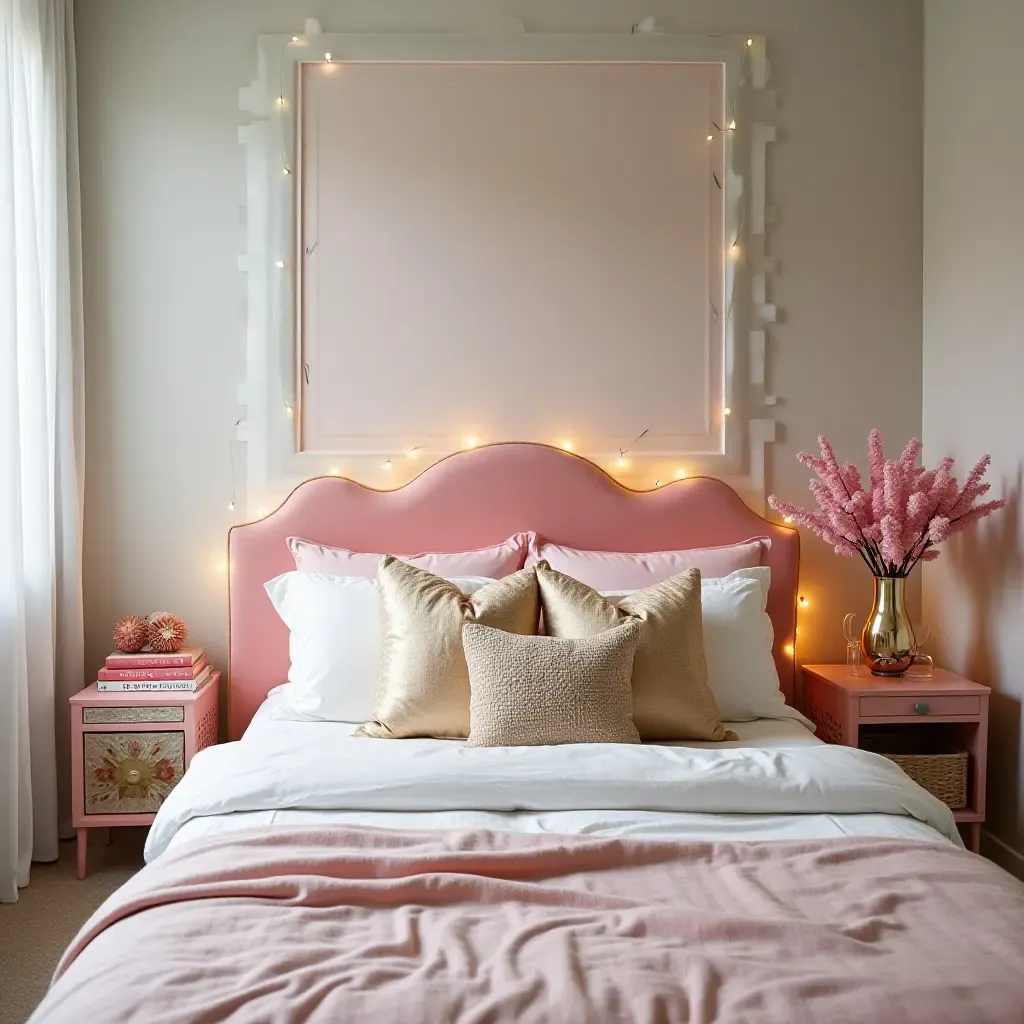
(184, 670)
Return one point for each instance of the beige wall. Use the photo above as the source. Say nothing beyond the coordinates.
(162, 181)
(974, 360)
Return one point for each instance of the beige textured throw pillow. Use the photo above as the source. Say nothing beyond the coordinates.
(671, 696)
(532, 690)
(423, 689)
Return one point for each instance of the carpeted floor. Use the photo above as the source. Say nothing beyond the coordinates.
(35, 930)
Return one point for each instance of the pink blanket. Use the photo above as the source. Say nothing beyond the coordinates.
(348, 925)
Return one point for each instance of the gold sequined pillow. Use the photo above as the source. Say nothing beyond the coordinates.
(423, 688)
(533, 690)
(671, 696)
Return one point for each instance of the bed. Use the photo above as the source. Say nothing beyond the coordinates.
(302, 872)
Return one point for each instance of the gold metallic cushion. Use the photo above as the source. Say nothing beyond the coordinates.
(423, 689)
(531, 690)
(671, 696)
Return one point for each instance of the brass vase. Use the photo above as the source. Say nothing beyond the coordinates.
(887, 641)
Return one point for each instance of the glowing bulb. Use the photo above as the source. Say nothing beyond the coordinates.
(732, 125)
(221, 567)
(295, 39)
(290, 411)
(657, 483)
(710, 137)
(334, 471)
(412, 452)
(327, 57)
(787, 519)
(287, 170)
(280, 101)
(734, 251)
(680, 474)
(387, 464)
(231, 506)
(261, 513)
(788, 650)
(804, 603)
(750, 42)
(727, 411)
(622, 461)
(471, 442)
(567, 446)
(279, 264)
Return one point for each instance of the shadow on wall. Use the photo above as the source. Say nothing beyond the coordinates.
(989, 563)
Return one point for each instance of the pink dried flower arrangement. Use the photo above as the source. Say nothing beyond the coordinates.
(901, 515)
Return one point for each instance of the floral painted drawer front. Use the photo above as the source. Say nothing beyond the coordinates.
(131, 773)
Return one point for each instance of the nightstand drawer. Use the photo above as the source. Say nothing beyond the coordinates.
(130, 772)
(139, 715)
(895, 706)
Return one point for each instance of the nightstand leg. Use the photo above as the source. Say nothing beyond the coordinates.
(108, 836)
(975, 837)
(83, 846)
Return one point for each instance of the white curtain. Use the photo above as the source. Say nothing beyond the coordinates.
(41, 430)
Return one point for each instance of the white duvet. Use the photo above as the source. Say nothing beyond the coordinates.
(285, 772)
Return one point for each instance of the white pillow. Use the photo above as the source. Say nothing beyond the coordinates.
(334, 646)
(738, 638)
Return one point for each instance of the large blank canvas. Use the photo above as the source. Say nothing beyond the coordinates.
(510, 251)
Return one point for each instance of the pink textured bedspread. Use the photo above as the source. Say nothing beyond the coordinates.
(347, 925)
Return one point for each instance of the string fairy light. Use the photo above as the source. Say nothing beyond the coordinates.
(414, 451)
(622, 451)
(680, 474)
(281, 106)
(334, 471)
(804, 603)
(231, 459)
(387, 464)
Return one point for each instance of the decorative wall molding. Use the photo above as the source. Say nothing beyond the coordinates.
(269, 465)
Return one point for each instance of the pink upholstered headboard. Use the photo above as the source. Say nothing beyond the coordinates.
(473, 499)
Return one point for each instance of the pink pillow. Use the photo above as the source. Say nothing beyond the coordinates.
(621, 570)
(493, 562)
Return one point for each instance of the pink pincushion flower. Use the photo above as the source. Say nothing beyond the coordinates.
(900, 517)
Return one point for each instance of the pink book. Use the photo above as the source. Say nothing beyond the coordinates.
(141, 685)
(185, 658)
(151, 674)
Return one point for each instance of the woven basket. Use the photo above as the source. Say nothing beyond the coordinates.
(943, 775)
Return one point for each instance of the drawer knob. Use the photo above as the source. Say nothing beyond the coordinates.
(922, 707)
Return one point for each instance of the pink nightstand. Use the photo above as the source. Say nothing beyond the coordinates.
(130, 748)
(847, 708)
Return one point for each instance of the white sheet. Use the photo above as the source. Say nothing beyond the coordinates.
(776, 782)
